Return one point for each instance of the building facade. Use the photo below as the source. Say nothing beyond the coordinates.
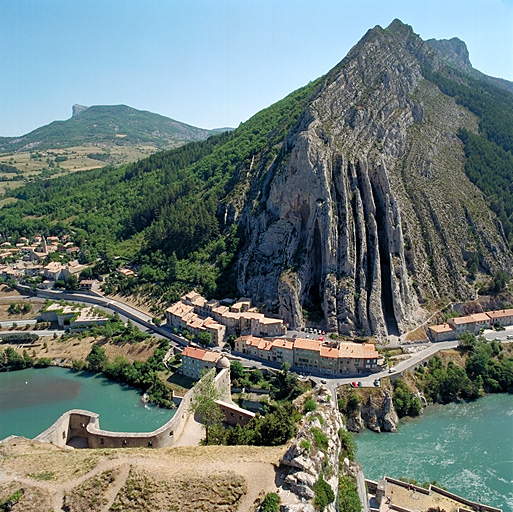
(194, 313)
(312, 355)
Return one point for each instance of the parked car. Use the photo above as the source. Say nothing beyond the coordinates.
(354, 384)
(377, 383)
(392, 369)
(509, 337)
(360, 384)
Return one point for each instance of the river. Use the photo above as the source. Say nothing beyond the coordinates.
(31, 400)
(466, 447)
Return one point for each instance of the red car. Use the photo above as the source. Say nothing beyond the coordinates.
(354, 384)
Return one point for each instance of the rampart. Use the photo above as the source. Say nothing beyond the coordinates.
(375, 488)
(84, 426)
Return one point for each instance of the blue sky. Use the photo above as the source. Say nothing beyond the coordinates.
(209, 63)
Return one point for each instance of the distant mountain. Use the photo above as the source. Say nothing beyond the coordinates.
(107, 124)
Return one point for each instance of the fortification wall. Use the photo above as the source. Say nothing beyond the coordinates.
(78, 423)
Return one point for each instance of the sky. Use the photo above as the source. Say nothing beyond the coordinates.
(208, 63)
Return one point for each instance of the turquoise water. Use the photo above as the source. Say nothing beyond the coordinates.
(31, 400)
(466, 447)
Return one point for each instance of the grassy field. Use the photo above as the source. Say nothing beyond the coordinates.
(59, 162)
(185, 479)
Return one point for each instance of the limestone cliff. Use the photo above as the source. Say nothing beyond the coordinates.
(366, 212)
(377, 414)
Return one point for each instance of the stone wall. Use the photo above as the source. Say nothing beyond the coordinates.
(85, 425)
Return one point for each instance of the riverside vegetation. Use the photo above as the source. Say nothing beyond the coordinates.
(476, 367)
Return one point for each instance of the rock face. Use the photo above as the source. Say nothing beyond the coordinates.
(377, 414)
(366, 211)
(305, 461)
(76, 109)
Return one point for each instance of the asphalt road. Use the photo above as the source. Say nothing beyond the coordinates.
(144, 322)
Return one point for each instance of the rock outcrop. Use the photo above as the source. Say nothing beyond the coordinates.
(366, 212)
(377, 414)
(313, 453)
(76, 109)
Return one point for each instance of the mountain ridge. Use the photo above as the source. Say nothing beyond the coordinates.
(118, 124)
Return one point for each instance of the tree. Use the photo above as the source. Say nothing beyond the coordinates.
(236, 370)
(348, 445)
(270, 503)
(276, 427)
(500, 281)
(349, 500)
(204, 338)
(466, 341)
(72, 282)
(204, 403)
(97, 359)
(324, 494)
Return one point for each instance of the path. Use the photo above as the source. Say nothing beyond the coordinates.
(175, 465)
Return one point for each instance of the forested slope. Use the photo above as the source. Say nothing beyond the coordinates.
(161, 212)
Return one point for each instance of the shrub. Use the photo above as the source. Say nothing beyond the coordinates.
(270, 503)
(320, 438)
(347, 444)
(305, 444)
(324, 494)
(353, 402)
(349, 500)
(309, 405)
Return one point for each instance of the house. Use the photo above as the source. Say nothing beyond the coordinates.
(233, 414)
(470, 323)
(53, 270)
(86, 284)
(357, 358)
(442, 332)
(239, 318)
(312, 355)
(73, 317)
(126, 272)
(501, 317)
(73, 268)
(196, 360)
(307, 353)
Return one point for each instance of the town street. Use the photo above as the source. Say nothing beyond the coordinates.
(144, 322)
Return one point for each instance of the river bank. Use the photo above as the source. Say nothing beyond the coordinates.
(465, 446)
(476, 368)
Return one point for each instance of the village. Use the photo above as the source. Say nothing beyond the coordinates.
(212, 326)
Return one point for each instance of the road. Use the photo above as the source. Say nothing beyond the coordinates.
(144, 322)
(140, 319)
(42, 332)
(19, 323)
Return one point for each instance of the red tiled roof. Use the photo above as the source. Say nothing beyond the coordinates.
(439, 329)
(304, 344)
(357, 350)
(202, 355)
(500, 313)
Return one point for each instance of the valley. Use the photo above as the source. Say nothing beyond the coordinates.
(340, 260)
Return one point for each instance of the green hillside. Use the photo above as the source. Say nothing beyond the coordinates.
(182, 215)
(161, 212)
(117, 124)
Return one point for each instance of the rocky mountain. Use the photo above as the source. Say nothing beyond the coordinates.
(107, 124)
(455, 52)
(359, 203)
(367, 213)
